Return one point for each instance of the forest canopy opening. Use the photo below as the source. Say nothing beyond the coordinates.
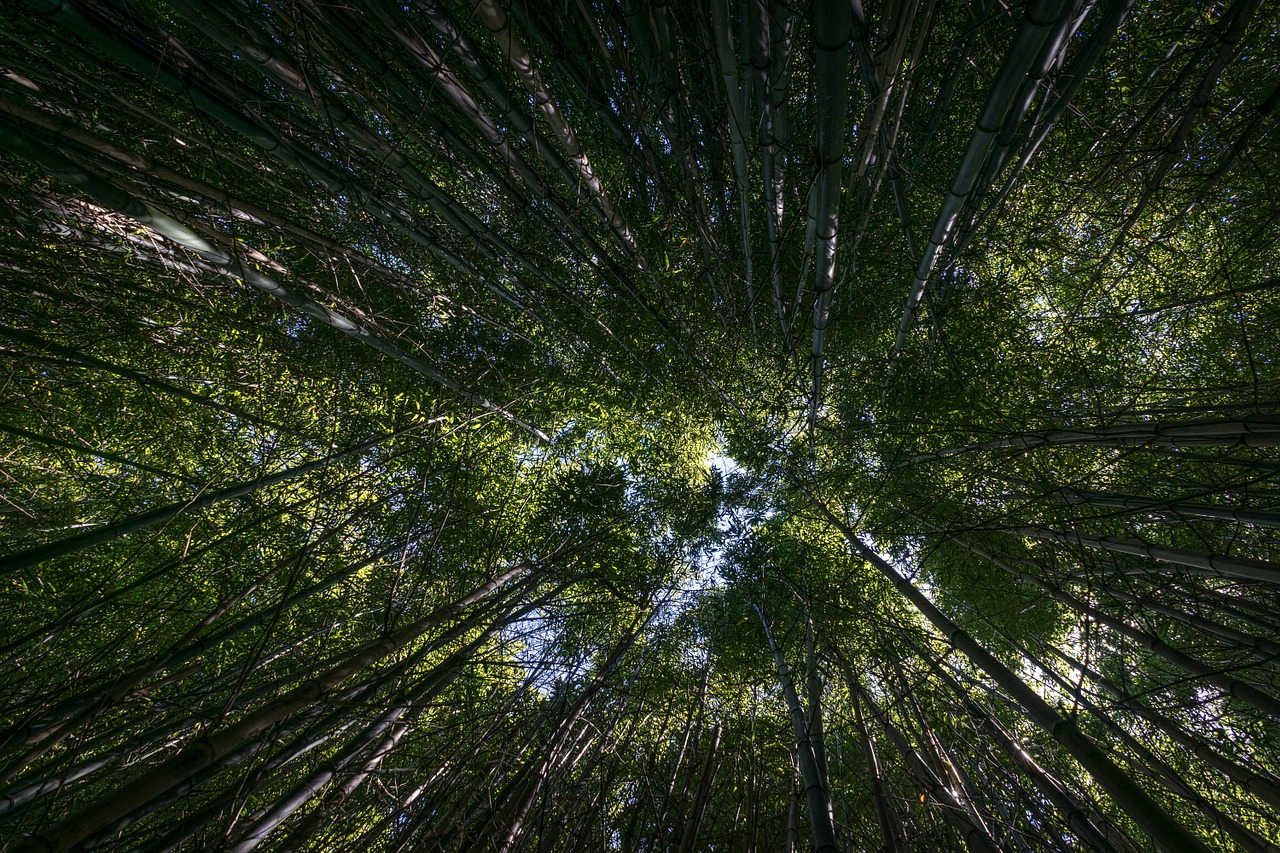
(729, 425)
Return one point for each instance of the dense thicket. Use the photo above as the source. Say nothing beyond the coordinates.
(567, 425)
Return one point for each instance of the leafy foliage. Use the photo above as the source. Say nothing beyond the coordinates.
(636, 426)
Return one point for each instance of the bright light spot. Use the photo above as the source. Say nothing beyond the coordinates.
(717, 461)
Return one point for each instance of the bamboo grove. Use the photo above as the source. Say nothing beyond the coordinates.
(744, 425)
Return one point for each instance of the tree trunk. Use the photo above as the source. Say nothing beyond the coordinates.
(817, 795)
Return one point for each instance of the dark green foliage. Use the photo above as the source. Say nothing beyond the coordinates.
(412, 417)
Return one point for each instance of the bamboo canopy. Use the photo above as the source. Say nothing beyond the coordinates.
(743, 425)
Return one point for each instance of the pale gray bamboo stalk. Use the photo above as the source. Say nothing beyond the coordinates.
(124, 48)
(499, 177)
(1260, 518)
(555, 753)
(1149, 815)
(976, 838)
(735, 98)
(127, 162)
(405, 826)
(891, 827)
(1243, 691)
(309, 730)
(145, 380)
(1038, 25)
(816, 794)
(1051, 54)
(702, 794)
(377, 740)
(523, 64)
(1218, 565)
(1232, 26)
(1262, 648)
(1247, 431)
(207, 748)
(813, 718)
(48, 632)
(96, 453)
(231, 263)
(688, 743)
(113, 530)
(429, 58)
(137, 746)
(1066, 85)
(938, 759)
(149, 742)
(1099, 834)
(57, 723)
(1169, 777)
(764, 41)
(452, 86)
(462, 221)
(1238, 607)
(1262, 785)
(832, 31)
